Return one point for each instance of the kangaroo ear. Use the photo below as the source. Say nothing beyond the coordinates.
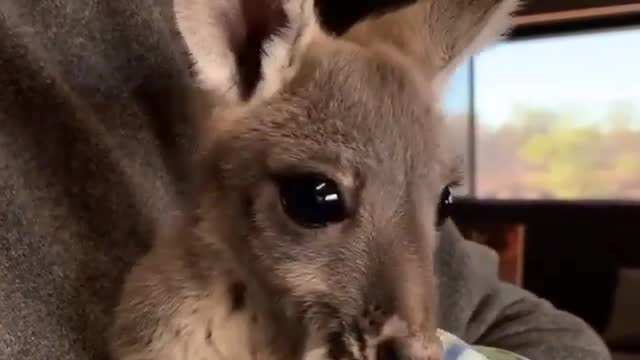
(245, 50)
(436, 35)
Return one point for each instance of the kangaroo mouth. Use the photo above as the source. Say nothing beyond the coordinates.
(372, 335)
(366, 340)
(350, 345)
(355, 345)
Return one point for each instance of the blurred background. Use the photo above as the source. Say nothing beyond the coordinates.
(552, 115)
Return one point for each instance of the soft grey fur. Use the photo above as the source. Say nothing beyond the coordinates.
(91, 107)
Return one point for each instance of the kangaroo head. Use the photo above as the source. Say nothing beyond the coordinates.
(325, 166)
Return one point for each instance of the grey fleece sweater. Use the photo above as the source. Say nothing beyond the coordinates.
(93, 135)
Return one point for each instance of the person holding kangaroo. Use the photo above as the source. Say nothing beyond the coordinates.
(285, 199)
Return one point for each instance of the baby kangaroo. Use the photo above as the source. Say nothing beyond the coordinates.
(322, 175)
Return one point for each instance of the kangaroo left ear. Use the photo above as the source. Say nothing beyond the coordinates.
(436, 35)
(245, 50)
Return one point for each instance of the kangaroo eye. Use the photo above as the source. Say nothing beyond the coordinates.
(444, 206)
(311, 200)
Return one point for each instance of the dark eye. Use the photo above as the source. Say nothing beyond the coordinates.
(444, 206)
(312, 200)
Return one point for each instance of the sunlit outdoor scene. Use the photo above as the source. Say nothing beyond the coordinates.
(555, 118)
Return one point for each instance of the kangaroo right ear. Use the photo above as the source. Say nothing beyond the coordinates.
(436, 35)
(245, 50)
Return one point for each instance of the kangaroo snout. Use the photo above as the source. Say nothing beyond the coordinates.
(376, 336)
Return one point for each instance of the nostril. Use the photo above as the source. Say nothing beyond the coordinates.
(390, 350)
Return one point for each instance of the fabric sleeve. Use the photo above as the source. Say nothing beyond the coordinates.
(483, 310)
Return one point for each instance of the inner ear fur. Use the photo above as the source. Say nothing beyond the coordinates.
(245, 50)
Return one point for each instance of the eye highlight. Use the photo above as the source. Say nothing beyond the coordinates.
(444, 206)
(311, 200)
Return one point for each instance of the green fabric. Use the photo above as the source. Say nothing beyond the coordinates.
(455, 348)
(497, 354)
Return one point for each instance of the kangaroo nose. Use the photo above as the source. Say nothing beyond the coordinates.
(390, 349)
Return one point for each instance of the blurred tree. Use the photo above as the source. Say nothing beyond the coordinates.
(621, 116)
(552, 154)
(568, 162)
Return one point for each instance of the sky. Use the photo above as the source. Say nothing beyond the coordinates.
(583, 73)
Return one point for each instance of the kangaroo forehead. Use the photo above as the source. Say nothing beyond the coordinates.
(354, 106)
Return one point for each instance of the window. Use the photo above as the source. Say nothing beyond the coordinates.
(457, 108)
(553, 118)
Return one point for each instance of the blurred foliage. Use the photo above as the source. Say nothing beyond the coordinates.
(541, 153)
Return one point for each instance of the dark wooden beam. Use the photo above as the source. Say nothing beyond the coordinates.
(338, 15)
(536, 7)
(485, 210)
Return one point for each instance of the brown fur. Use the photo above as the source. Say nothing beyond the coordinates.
(236, 278)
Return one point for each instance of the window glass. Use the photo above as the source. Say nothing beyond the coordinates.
(456, 105)
(559, 118)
